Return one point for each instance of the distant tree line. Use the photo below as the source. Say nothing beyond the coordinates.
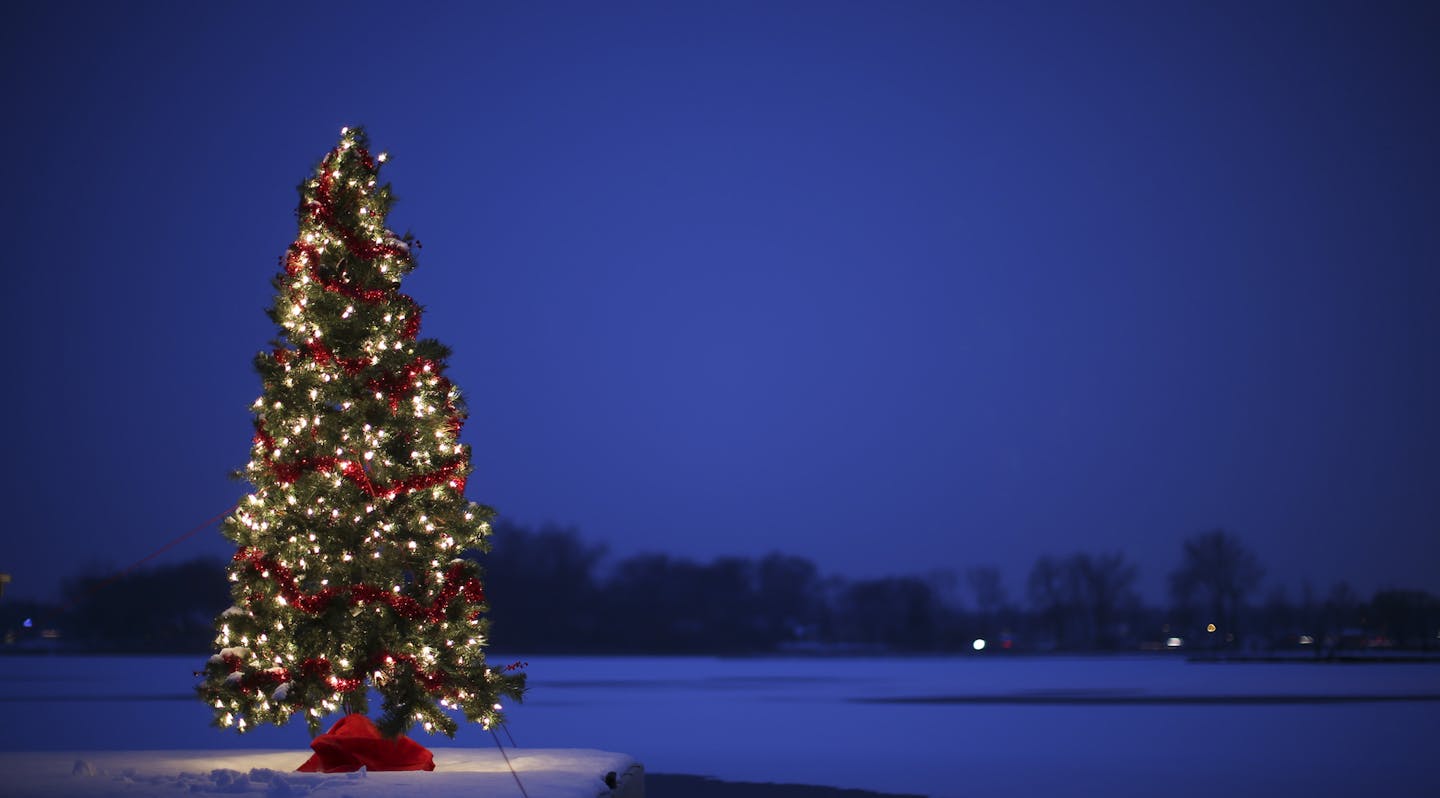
(169, 608)
(553, 592)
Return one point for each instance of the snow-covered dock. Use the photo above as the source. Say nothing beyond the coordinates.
(548, 772)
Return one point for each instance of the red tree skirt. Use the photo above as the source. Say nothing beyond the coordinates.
(354, 742)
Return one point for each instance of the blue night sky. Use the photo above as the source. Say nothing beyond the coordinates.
(894, 286)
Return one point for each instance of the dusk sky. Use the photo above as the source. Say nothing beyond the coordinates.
(894, 286)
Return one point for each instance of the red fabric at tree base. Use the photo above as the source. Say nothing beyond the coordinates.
(354, 742)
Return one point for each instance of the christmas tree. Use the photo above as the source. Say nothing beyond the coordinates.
(349, 574)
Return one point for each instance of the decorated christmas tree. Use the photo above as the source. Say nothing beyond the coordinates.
(350, 574)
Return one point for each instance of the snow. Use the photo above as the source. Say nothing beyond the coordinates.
(561, 774)
(1004, 726)
(238, 652)
(394, 241)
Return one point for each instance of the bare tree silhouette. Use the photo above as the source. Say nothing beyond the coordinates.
(1103, 586)
(1216, 574)
(1046, 589)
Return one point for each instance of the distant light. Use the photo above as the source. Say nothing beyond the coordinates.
(28, 623)
(1210, 627)
(1307, 640)
(979, 644)
(1174, 642)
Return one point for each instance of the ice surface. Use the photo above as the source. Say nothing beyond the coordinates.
(798, 720)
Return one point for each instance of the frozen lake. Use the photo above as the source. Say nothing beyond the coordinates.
(961, 726)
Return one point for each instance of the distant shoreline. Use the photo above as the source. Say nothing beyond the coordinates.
(1343, 658)
(679, 785)
(1125, 697)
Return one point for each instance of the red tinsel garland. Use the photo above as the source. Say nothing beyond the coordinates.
(395, 389)
(302, 255)
(321, 354)
(360, 152)
(290, 472)
(313, 603)
(320, 669)
(321, 208)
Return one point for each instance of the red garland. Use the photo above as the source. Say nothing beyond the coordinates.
(397, 388)
(315, 668)
(321, 209)
(294, 264)
(254, 679)
(301, 254)
(312, 603)
(431, 681)
(290, 472)
(363, 153)
(319, 669)
(321, 354)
